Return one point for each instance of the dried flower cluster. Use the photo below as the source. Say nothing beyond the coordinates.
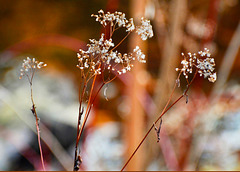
(202, 62)
(145, 30)
(29, 66)
(101, 54)
(119, 19)
(116, 18)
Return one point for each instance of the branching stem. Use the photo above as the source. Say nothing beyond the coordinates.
(91, 100)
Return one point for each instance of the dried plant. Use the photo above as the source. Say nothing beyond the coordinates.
(29, 68)
(103, 60)
(194, 63)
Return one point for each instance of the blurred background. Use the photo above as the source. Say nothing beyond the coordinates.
(201, 135)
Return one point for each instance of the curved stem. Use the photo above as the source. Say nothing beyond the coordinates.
(121, 41)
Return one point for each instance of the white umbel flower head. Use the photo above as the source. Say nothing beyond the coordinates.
(29, 66)
(101, 54)
(145, 30)
(202, 62)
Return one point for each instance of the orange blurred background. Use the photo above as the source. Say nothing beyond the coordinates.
(201, 135)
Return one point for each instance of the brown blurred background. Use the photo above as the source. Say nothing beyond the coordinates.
(201, 135)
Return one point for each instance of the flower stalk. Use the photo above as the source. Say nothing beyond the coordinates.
(103, 60)
(204, 66)
(29, 67)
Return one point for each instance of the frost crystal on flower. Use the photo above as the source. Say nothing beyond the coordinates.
(145, 30)
(202, 62)
(29, 66)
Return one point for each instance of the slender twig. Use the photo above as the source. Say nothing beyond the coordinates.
(88, 112)
(88, 106)
(91, 99)
(77, 160)
(158, 130)
(164, 112)
(121, 41)
(91, 103)
(37, 125)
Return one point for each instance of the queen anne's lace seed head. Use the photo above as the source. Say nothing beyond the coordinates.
(202, 62)
(101, 54)
(114, 18)
(145, 30)
(119, 19)
(29, 66)
(89, 61)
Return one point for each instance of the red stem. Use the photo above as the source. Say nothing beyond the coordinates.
(89, 111)
(39, 143)
(37, 125)
(150, 131)
(164, 112)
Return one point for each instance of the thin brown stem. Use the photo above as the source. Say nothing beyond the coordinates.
(106, 82)
(77, 158)
(37, 127)
(80, 107)
(88, 112)
(163, 112)
(88, 106)
(121, 41)
(150, 129)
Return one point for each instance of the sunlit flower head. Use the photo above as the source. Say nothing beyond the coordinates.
(102, 55)
(202, 62)
(29, 66)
